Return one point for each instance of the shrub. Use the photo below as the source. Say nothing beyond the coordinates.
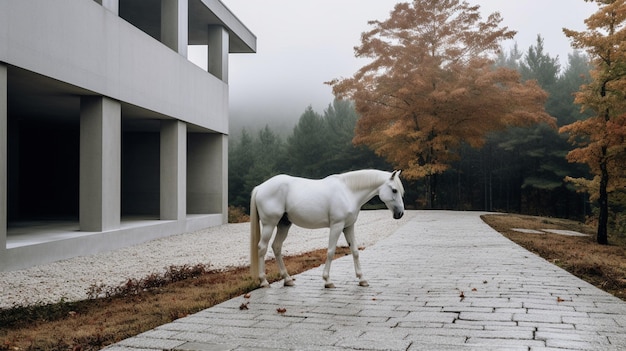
(237, 215)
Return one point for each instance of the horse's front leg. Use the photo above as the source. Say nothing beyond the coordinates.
(277, 245)
(335, 231)
(348, 232)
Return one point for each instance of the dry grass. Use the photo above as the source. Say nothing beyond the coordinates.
(95, 323)
(601, 265)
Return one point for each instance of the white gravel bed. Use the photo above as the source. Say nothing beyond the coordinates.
(219, 247)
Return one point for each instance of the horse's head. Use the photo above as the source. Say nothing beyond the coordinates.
(391, 193)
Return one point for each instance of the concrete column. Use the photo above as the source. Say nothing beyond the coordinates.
(207, 174)
(218, 52)
(100, 163)
(174, 25)
(3, 157)
(221, 142)
(173, 170)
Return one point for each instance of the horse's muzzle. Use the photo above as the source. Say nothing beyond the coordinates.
(398, 214)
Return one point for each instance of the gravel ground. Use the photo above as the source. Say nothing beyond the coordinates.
(220, 247)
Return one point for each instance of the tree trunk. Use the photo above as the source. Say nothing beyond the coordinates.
(428, 192)
(431, 189)
(488, 191)
(603, 202)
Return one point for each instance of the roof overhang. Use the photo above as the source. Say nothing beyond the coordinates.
(203, 13)
(146, 15)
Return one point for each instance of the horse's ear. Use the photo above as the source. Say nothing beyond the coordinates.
(394, 174)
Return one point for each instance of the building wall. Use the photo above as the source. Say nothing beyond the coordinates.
(79, 42)
(108, 128)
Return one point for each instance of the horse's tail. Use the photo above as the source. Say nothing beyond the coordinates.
(255, 236)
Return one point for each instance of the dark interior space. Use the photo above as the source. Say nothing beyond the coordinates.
(144, 14)
(45, 182)
(140, 173)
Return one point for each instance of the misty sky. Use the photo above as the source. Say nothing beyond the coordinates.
(303, 43)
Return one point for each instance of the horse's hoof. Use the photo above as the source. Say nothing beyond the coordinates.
(289, 282)
(329, 285)
(265, 284)
(364, 283)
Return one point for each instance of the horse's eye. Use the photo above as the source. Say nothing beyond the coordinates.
(394, 190)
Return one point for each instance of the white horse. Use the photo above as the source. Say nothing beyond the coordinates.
(333, 202)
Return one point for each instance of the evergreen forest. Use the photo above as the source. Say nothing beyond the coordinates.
(521, 169)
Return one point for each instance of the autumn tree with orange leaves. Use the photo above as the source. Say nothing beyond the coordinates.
(601, 139)
(431, 86)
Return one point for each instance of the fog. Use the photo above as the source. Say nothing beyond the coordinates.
(301, 44)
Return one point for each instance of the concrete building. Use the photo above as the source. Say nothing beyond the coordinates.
(109, 135)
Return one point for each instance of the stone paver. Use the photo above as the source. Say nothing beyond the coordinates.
(444, 281)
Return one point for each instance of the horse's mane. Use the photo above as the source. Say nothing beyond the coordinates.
(368, 178)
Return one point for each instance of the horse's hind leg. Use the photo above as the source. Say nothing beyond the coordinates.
(348, 232)
(266, 235)
(277, 245)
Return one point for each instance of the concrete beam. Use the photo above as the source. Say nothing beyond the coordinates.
(100, 163)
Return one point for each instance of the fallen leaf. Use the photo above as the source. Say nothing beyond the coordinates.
(558, 299)
(462, 295)
(244, 306)
(474, 289)
(247, 296)
(281, 310)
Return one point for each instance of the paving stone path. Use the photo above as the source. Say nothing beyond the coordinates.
(444, 281)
